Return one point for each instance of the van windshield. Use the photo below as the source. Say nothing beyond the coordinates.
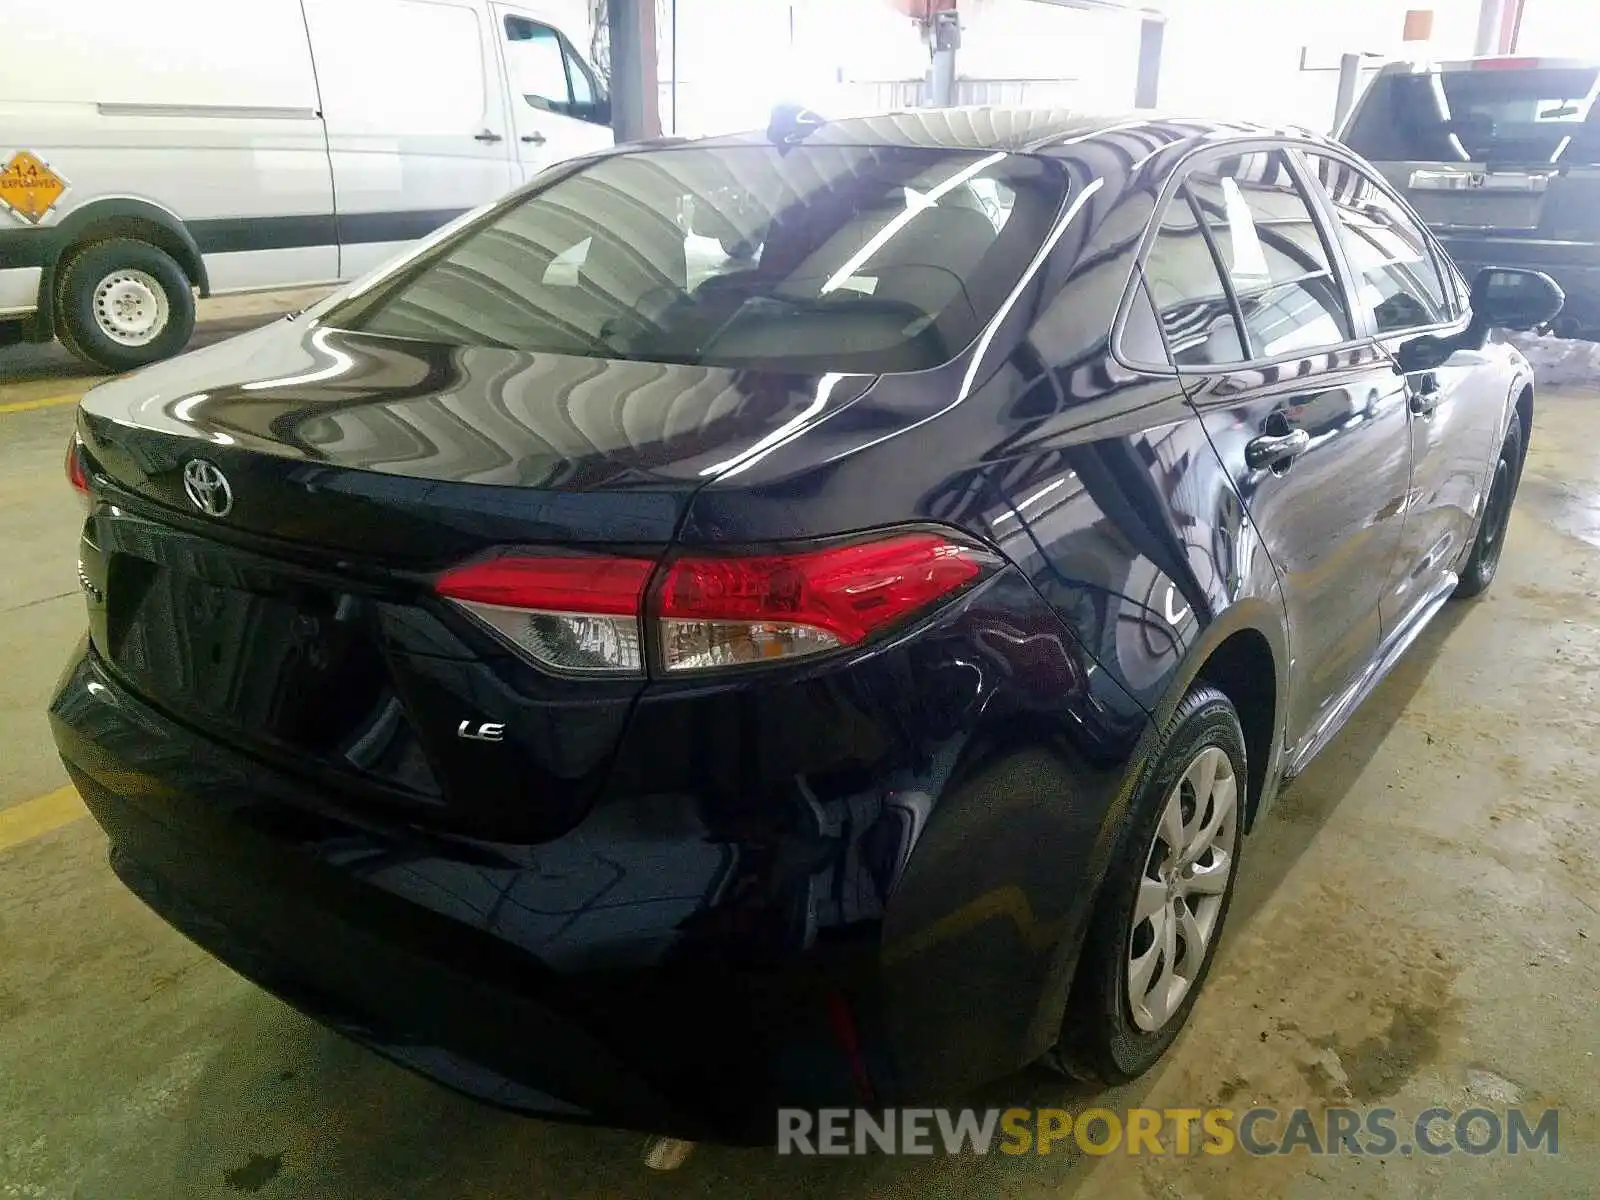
(855, 259)
(1513, 116)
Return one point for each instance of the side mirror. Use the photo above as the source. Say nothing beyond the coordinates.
(1512, 298)
(1425, 353)
(598, 113)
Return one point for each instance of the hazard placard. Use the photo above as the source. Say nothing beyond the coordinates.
(28, 187)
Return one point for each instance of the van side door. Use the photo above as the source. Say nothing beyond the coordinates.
(1297, 404)
(558, 107)
(416, 119)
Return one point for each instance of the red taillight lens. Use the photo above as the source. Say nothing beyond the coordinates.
(585, 614)
(78, 468)
(725, 611)
(571, 613)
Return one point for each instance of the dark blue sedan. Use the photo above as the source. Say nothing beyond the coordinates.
(803, 619)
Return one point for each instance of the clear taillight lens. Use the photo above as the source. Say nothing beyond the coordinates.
(588, 614)
(572, 614)
(728, 611)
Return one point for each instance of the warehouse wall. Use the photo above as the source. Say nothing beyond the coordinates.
(1249, 64)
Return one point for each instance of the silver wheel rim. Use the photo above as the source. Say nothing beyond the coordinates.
(130, 307)
(1185, 876)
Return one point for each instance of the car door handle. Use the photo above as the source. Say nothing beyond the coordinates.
(1424, 394)
(536, 139)
(1276, 449)
(488, 135)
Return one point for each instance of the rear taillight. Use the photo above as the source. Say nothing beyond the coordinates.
(571, 613)
(589, 614)
(78, 468)
(726, 611)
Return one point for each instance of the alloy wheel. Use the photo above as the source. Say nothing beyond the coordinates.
(1180, 897)
(1497, 517)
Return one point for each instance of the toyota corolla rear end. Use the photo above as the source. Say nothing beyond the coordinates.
(440, 678)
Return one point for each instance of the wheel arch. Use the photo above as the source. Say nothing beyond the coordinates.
(1243, 653)
(1522, 410)
(113, 217)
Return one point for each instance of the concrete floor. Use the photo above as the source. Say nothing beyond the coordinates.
(1416, 925)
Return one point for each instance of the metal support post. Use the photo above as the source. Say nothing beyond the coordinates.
(1349, 81)
(635, 74)
(944, 38)
(1147, 84)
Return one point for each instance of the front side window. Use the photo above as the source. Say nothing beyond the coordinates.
(1396, 273)
(537, 65)
(833, 258)
(582, 83)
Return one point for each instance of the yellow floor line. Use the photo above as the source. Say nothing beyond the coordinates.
(39, 816)
(17, 406)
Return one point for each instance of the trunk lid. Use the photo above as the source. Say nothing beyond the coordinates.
(281, 599)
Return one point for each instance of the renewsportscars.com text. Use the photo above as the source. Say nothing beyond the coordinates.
(1433, 1132)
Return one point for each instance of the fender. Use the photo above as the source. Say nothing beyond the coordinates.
(119, 215)
(1521, 378)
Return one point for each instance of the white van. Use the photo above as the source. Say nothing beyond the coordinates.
(150, 151)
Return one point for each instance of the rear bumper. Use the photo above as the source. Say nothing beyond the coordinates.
(773, 925)
(248, 875)
(1573, 265)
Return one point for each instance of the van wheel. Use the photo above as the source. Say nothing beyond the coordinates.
(122, 303)
(1164, 901)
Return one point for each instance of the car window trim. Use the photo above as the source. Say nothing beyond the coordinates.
(1229, 292)
(1179, 176)
(1436, 251)
(1137, 287)
(1327, 219)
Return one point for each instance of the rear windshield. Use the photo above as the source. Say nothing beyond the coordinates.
(811, 258)
(1520, 115)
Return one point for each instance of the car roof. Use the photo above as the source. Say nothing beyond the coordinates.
(1011, 130)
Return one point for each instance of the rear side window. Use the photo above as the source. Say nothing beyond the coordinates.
(1396, 274)
(1518, 115)
(1247, 214)
(1185, 285)
(813, 258)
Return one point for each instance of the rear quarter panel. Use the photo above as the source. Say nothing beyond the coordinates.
(1098, 482)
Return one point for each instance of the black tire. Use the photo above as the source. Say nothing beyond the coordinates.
(1100, 1041)
(1479, 571)
(81, 331)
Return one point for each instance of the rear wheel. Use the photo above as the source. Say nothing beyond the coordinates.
(1479, 571)
(123, 303)
(1164, 902)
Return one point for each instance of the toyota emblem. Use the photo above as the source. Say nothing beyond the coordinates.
(207, 488)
